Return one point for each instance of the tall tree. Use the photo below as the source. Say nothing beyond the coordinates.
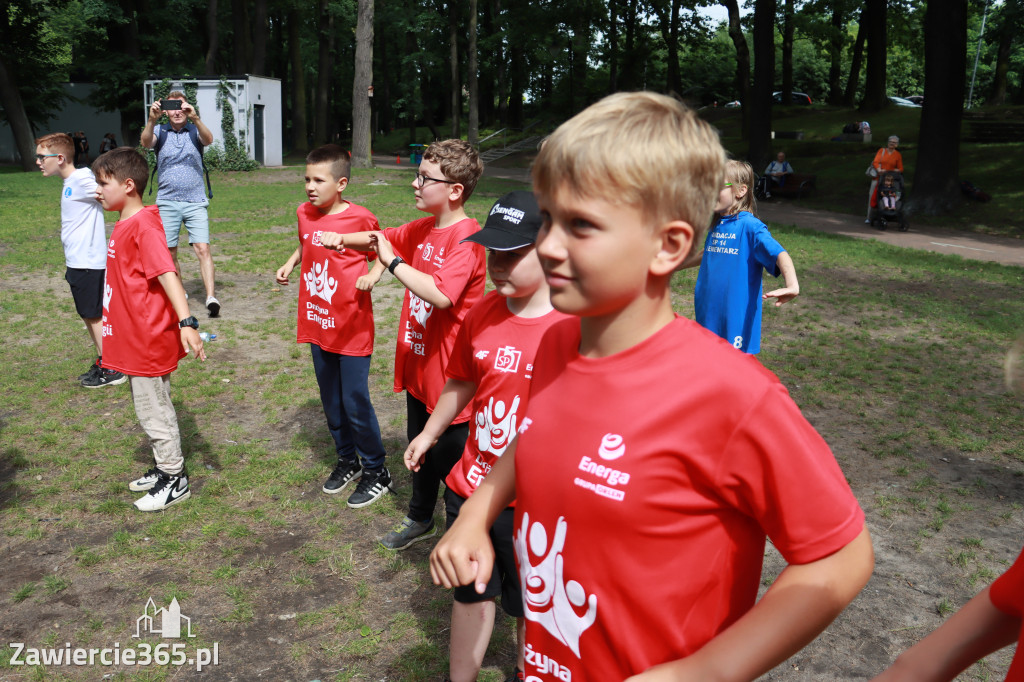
(361, 125)
(936, 187)
(455, 83)
(471, 78)
(668, 20)
(764, 79)
(14, 110)
(260, 29)
(212, 38)
(742, 61)
(300, 131)
(850, 94)
(1009, 27)
(325, 43)
(875, 17)
(837, 34)
(787, 52)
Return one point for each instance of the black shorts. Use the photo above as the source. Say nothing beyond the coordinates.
(505, 576)
(87, 290)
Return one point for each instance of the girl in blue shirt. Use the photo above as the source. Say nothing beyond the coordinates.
(738, 247)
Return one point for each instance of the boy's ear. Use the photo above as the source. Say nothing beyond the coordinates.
(129, 185)
(342, 184)
(676, 240)
(455, 191)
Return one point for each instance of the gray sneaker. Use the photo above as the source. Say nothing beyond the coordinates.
(104, 377)
(407, 533)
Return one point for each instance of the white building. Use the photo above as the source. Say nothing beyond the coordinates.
(256, 104)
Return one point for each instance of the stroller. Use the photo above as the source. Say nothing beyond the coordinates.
(888, 202)
(761, 191)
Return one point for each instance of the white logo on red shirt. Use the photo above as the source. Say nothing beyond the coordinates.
(481, 354)
(612, 446)
(427, 250)
(317, 237)
(319, 282)
(507, 359)
(107, 293)
(419, 309)
(549, 601)
(496, 426)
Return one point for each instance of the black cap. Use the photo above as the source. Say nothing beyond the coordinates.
(512, 224)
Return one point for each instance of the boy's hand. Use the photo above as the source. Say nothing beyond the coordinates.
(783, 295)
(333, 240)
(383, 248)
(191, 340)
(417, 450)
(463, 556)
(282, 275)
(366, 282)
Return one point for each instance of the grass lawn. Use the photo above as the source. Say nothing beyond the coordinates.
(895, 356)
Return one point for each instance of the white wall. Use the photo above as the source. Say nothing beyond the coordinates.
(74, 116)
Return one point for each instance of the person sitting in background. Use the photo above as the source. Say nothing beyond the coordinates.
(778, 169)
(886, 159)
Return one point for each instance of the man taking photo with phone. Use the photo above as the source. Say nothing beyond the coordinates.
(180, 197)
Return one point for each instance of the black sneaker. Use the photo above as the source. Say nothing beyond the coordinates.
(104, 377)
(517, 675)
(342, 475)
(371, 487)
(213, 306)
(408, 532)
(92, 370)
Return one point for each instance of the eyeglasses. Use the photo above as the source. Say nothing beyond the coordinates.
(40, 157)
(421, 180)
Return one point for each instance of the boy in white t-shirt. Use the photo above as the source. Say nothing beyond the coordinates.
(85, 244)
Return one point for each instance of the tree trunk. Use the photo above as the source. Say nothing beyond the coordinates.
(613, 46)
(212, 38)
(453, 56)
(361, 81)
(325, 29)
(787, 53)
(874, 76)
(668, 21)
(240, 37)
(764, 78)
(858, 56)
(259, 39)
(500, 27)
(742, 61)
(517, 85)
(17, 119)
(300, 132)
(1008, 29)
(835, 54)
(936, 186)
(471, 77)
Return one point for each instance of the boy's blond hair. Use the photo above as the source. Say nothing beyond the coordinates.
(458, 161)
(646, 150)
(58, 143)
(123, 163)
(741, 173)
(335, 156)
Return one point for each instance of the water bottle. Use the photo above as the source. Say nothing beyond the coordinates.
(207, 336)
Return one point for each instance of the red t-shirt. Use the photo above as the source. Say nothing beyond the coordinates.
(1007, 595)
(646, 483)
(333, 314)
(494, 350)
(141, 336)
(426, 335)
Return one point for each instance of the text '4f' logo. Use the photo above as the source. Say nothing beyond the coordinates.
(164, 622)
(507, 359)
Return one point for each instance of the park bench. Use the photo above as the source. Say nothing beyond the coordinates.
(855, 137)
(797, 185)
(787, 134)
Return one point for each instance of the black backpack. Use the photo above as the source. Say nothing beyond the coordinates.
(193, 134)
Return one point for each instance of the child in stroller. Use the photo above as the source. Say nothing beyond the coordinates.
(888, 201)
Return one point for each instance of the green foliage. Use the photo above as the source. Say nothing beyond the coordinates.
(232, 156)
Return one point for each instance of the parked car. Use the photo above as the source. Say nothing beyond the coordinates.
(917, 99)
(903, 102)
(733, 104)
(798, 97)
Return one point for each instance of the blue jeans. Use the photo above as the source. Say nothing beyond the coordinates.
(345, 394)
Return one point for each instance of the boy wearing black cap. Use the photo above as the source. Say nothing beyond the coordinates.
(491, 366)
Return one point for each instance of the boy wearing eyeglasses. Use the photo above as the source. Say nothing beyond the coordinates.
(443, 278)
(85, 244)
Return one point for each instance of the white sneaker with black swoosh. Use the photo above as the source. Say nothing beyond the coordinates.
(168, 490)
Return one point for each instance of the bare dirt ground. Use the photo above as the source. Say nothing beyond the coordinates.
(362, 614)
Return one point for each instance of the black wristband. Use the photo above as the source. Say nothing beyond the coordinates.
(190, 321)
(395, 262)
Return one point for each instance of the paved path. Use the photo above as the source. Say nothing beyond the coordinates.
(1005, 250)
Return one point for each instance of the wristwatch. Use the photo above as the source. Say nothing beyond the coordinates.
(395, 262)
(189, 322)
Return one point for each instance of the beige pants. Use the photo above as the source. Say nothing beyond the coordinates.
(153, 407)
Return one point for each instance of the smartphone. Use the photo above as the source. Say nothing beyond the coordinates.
(170, 104)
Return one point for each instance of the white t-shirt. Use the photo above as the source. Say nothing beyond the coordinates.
(81, 222)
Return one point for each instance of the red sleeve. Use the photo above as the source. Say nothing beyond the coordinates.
(404, 239)
(460, 364)
(461, 265)
(782, 473)
(1007, 592)
(153, 252)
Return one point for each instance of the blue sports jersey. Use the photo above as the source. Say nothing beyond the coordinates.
(727, 299)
